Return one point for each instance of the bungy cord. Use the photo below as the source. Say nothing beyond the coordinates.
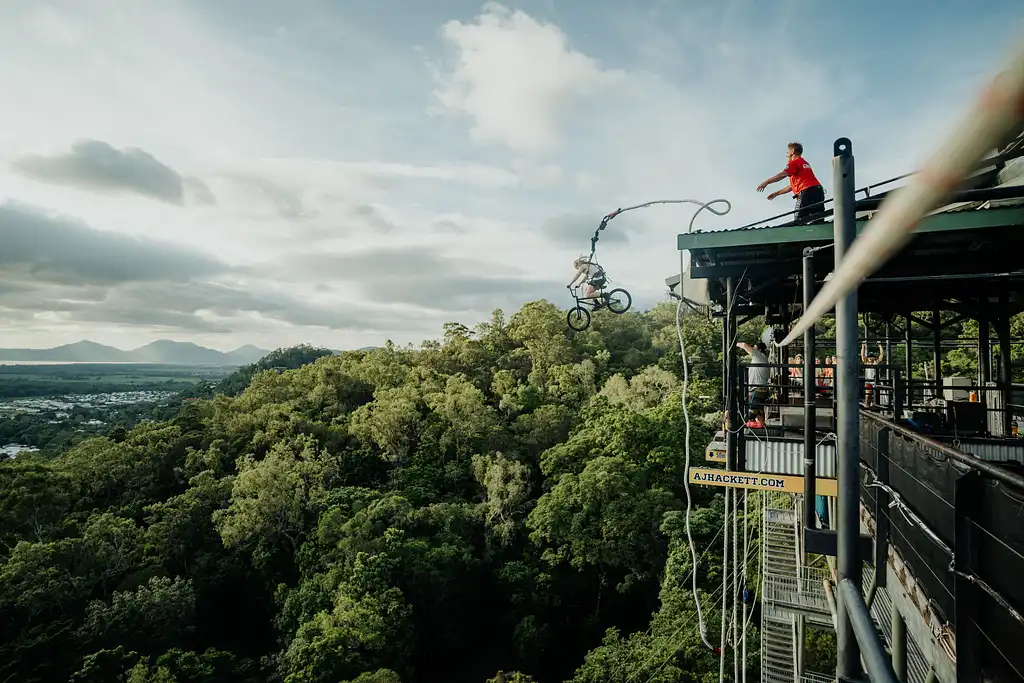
(686, 384)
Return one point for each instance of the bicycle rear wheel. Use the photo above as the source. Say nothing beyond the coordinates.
(619, 301)
(578, 318)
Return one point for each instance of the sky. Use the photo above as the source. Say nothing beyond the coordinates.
(342, 173)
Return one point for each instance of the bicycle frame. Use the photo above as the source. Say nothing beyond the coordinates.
(587, 301)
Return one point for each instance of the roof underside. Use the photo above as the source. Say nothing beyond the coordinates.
(968, 256)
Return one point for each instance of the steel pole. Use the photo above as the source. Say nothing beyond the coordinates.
(732, 371)
(875, 657)
(889, 361)
(908, 336)
(984, 355)
(810, 417)
(899, 645)
(937, 351)
(848, 409)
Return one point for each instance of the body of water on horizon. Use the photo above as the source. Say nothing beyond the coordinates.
(78, 362)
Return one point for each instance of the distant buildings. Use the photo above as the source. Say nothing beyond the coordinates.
(61, 405)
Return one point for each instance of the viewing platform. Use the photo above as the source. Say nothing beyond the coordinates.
(938, 462)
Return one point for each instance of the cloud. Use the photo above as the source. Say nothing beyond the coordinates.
(453, 225)
(96, 165)
(284, 201)
(217, 307)
(207, 307)
(514, 76)
(198, 190)
(576, 230)
(48, 247)
(427, 278)
(299, 143)
(59, 268)
(374, 218)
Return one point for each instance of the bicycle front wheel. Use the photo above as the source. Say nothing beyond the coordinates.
(578, 318)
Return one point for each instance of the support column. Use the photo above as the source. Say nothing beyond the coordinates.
(967, 496)
(984, 353)
(908, 350)
(848, 665)
(881, 512)
(889, 361)
(899, 645)
(888, 349)
(937, 351)
(801, 645)
(732, 371)
(810, 389)
(1005, 370)
(725, 360)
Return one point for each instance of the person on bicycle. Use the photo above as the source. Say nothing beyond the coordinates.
(592, 277)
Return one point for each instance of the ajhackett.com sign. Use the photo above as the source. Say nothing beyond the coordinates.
(763, 482)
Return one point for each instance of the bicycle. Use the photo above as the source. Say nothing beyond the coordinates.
(617, 301)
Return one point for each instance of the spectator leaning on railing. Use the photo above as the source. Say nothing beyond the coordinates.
(758, 379)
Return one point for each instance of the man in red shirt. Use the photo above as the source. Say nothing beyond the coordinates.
(802, 183)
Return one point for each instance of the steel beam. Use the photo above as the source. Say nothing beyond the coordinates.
(937, 351)
(732, 372)
(810, 388)
(876, 659)
(966, 498)
(899, 645)
(908, 350)
(984, 353)
(881, 511)
(848, 413)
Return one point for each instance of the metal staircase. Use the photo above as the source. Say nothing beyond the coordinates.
(789, 590)
(779, 561)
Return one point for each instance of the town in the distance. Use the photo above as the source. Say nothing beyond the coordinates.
(52, 398)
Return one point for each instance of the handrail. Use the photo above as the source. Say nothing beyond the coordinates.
(965, 459)
(983, 164)
(876, 659)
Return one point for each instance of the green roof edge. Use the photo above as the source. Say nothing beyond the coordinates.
(823, 232)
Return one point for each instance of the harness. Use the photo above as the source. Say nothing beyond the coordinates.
(596, 275)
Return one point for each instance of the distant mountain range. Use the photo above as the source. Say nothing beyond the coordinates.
(162, 351)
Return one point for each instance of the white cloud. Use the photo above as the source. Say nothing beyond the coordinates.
(514, 76)
(317, 135)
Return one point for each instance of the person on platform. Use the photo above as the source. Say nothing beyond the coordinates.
(870, 372)
(758, 378)
(803, 183)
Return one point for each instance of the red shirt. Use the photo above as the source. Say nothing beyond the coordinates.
(800, 175)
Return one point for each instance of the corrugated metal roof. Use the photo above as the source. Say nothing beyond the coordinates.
(1012, 175)
(994, 451)
(786, 456)
(823, 232)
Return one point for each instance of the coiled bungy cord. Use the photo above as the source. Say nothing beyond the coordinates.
(686, 385)
(616, 212)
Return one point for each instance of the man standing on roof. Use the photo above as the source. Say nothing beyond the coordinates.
(802, 183)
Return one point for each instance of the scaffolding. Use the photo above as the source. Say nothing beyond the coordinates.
(918, 569)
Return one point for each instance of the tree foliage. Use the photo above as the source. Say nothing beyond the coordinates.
(502, 505)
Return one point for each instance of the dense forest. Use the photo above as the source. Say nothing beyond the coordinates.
(505, 500)
(505, 504)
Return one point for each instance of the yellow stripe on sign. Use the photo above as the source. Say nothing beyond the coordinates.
(763, 482)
